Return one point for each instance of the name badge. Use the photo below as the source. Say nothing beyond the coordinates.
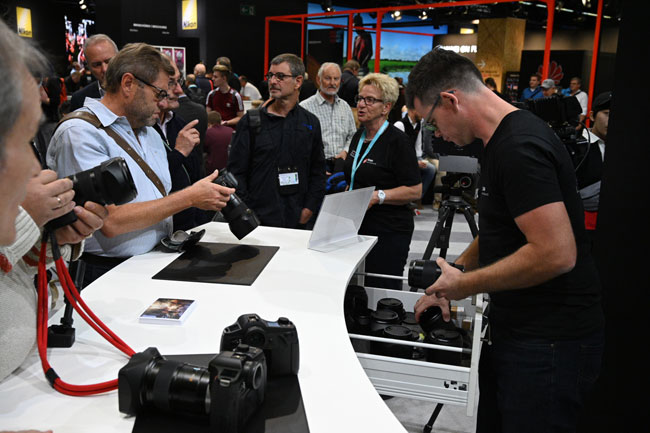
(286, 179)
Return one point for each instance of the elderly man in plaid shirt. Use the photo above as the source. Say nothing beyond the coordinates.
(335, 116)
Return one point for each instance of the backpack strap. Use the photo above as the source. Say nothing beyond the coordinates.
(93, 120)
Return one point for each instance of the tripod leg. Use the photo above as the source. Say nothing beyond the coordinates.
(433, 241)
(470, 221)
(427, 428)
(443, 241)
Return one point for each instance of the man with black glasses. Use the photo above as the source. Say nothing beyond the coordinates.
(531, 254)
(137, 87)
(277, 153)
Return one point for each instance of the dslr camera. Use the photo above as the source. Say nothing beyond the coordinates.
(228, 392)
(240, 218)
(108, 183)
(278, 340)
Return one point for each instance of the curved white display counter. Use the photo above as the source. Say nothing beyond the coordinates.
(306, 286)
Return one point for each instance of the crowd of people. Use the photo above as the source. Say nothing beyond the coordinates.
(532, 254)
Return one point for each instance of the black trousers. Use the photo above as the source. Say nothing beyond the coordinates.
(388, 256)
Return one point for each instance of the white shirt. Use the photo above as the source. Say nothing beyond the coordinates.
(582, 99)
(593, 138)
(418, 141)
(250, 92)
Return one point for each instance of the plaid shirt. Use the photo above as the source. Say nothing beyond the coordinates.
(336, 121)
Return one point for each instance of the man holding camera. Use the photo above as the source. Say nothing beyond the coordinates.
(137, 81)
(531, 255)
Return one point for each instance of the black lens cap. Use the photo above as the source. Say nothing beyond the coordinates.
(431, 318)
(385, 316)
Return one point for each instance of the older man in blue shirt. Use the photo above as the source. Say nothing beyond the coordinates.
(137, 80)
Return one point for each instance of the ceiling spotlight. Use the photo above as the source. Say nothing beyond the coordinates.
(423, 15)
(326, 5)
(83, 6)
(81, 2)
(397, 15)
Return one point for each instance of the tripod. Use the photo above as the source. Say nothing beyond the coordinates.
(440, 239)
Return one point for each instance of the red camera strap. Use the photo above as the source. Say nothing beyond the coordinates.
(72, 294)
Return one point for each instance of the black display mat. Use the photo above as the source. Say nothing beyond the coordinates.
(219, 263)
(282, 411)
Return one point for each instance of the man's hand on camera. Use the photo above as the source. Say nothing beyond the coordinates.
(208, 195)
(448, 284)
(89, 219)
(187, 138)
(427, 301)
(48, 197)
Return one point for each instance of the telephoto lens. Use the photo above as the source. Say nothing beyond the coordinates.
(380, 319)
(240, 218)
(423, 273)
(108, 183)
(431, 319)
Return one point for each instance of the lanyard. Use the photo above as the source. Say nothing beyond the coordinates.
(356, 163)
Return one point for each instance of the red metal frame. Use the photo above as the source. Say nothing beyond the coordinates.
(302, 19)
(594, 59)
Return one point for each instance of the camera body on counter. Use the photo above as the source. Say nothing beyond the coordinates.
(228, 392)
(278, 339)
(232, 387)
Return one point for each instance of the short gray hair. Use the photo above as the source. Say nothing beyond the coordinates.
(326, 65)
(95, 39)
(17, 60)
(138, 59)
(296, 65)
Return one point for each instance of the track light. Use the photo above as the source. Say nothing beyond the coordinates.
(423, 15)
(397, 15)
(326, 5)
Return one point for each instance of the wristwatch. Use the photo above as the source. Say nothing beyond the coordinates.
(381, 195)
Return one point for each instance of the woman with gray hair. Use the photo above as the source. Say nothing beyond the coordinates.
(381, 156)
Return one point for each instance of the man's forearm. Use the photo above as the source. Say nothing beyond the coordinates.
(137, 216)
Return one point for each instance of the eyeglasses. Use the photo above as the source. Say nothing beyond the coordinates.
(159, 93)
(367, 100)
(430, 123)
(173, 83)
(280, 76)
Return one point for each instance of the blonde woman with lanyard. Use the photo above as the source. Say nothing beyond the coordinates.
(382, 156)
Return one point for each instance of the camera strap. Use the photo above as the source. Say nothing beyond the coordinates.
(93, 120)
(72, 294)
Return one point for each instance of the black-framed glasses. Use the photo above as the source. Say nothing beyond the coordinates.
(279, 75)
(430, 123)
(368, 100)
(173, 83)
(159, 93)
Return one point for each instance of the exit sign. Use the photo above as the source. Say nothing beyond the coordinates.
(248, 10)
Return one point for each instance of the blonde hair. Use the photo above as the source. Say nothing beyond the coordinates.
(384, 83)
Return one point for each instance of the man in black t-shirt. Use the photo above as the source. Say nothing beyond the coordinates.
(531, 255)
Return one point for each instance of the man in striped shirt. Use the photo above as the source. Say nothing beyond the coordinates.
(335, 116)
(224, 99)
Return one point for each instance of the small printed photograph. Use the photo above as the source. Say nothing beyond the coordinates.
(167, 308)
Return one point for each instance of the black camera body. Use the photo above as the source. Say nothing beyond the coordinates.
(241, 219)
(108, 183)
(278, 340)
(228, 392)
(238, 381)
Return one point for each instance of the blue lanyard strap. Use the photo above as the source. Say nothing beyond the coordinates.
(357, 162)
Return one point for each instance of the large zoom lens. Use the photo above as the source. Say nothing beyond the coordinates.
(241, 219)
(423, 273)
(108, 183)
(150, 380)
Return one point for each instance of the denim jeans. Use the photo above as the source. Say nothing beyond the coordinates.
(530, 385)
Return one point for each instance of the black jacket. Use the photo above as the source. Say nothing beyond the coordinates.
(189, 110)
(293, 142)
(349, 87)
(78, 97)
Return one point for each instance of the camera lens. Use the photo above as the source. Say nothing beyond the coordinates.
(444, 337)
(423, 273)
(255, 337)
(177, 386)
(392, 304)
(395, 332)
(241, 219)
(108, 183)
(431, 319)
